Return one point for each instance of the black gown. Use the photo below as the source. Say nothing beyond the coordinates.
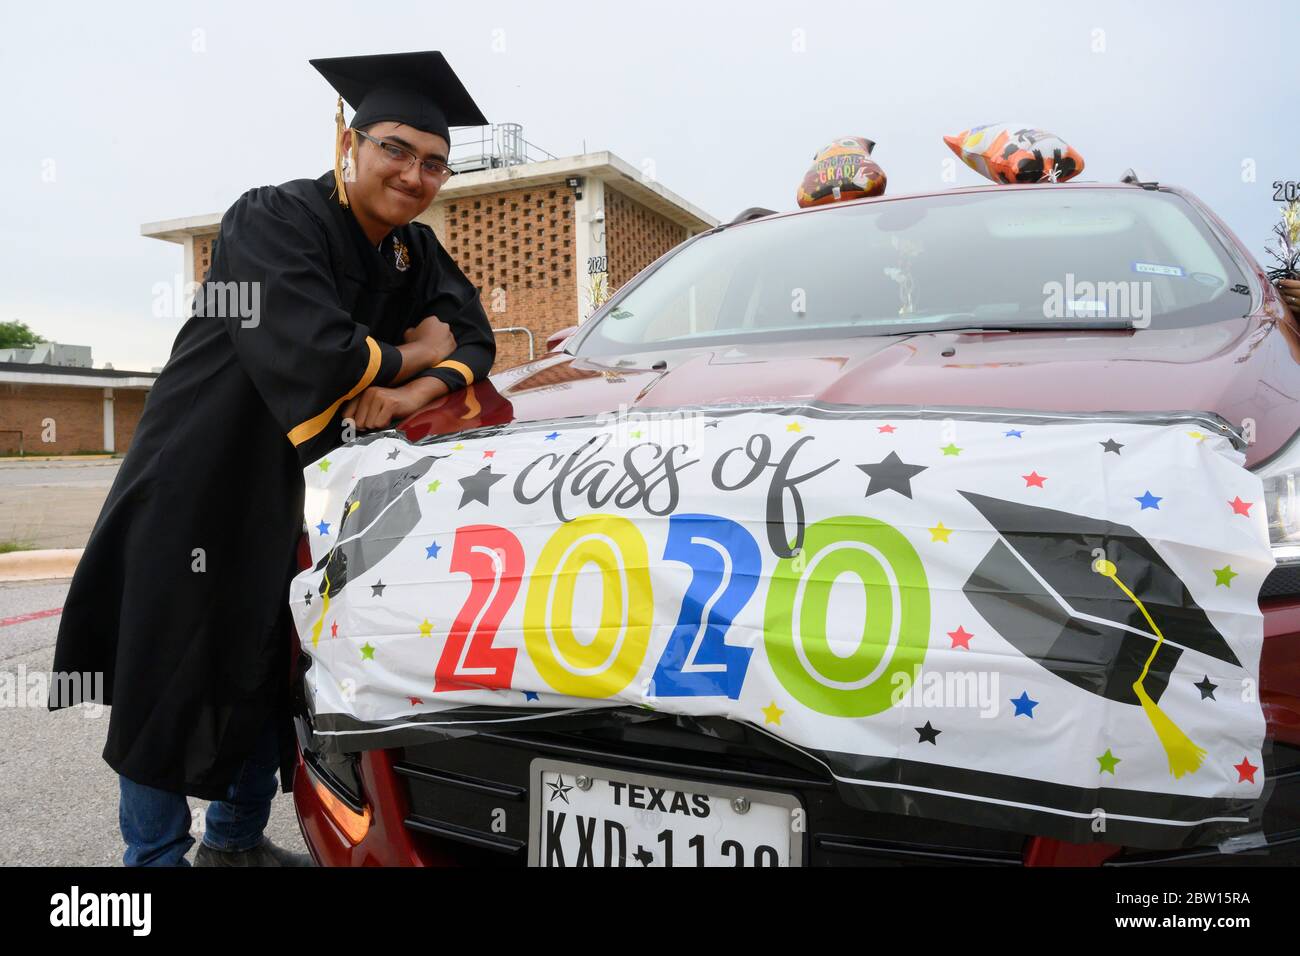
(181, 597)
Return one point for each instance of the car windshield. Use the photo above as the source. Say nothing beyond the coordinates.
(1016, 259)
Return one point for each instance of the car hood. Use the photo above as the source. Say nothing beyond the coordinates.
(1242, 370)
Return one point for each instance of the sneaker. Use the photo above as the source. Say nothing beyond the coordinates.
(267, 854)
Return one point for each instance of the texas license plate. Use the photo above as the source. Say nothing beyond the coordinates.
(593, 816)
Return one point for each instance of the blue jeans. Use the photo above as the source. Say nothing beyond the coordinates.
(156, 824)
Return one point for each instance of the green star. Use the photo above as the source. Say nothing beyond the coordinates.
(324, 464)
(433, 485)
(1224, 576)
(367, 652)
(950, 449)
(1107, 761)
(636, 434)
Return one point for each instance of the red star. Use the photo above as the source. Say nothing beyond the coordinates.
(1240, 507)
(886, 429)
(961, 637)
(415, 701)
(1034, 479)
(488, 454)
(334, 629)
(1246, 769)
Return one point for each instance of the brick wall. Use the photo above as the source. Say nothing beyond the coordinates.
(203, 255)
(128, 406)
(78, 415)
(634, 236)
(520, 243)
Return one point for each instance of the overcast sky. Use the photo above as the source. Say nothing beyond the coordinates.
(122, 114)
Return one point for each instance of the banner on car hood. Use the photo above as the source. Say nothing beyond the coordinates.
(1030, 621)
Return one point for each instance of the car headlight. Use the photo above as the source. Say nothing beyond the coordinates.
(1281, 477)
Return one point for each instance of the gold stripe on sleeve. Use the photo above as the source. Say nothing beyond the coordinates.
(312, 426)
(460, 367)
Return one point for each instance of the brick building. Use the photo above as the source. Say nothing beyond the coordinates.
(544, 241)
(53, 409)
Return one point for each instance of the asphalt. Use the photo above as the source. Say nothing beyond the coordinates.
(53, 504)
(58, 798)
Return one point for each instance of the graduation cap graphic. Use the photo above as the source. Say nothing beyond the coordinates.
(378, 514)
(1094, 604)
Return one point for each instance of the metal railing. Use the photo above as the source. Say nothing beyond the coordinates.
(492, 147)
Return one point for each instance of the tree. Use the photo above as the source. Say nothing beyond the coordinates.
(16, 335)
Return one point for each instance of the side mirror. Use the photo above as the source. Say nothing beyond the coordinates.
(556, 339)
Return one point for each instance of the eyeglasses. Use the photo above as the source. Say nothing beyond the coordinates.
(433, 168)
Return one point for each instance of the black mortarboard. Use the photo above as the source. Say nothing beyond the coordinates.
(418, 89)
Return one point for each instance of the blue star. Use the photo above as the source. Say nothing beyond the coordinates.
(1024, 704)
(1148, 500)
(432, 550)
(323, 527)
(1014, 433)
(552, 436)
(530, 695)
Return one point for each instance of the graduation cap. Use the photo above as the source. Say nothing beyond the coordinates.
(1114, 626)
(377, 516)
(418, 89)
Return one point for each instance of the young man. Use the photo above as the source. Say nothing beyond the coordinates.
(359, 317)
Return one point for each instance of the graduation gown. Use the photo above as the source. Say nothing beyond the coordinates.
(181, 597)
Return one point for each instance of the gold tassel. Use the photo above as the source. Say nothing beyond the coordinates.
(338, 155)
(1183, 753)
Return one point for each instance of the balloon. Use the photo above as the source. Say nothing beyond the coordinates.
(843, 170)
(1009, 153)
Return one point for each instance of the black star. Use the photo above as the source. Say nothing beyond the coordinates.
(560, 790)
(1206, 688)
(1110, 444)
(377, 590)
(928, 735)
(477, 485)
(307, 598)
(392, 454)
(891, 474)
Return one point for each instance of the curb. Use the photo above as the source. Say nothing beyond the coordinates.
(41, 563)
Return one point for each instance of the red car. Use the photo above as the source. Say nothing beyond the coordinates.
(953, 312)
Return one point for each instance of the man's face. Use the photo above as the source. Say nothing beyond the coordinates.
(383, 189)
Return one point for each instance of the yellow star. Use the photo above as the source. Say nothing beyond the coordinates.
(433, 485)
(793, 427)
(939, 532)
(1199, 436)
(324, 464)
(426, 629)
(772, 714)
(458, 446)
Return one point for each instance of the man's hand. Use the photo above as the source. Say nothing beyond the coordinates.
(435, 334)
(377, 407)
(1289, 289)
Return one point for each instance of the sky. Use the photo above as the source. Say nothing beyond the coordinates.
(122, 114)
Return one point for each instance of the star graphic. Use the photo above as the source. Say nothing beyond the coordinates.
(324, 464)
(1224, 576)
(434, 485)
(560, 790)
(1246, 770)
(323, 527)
(1240, 507)
(712, 423)
(489, 454)
(1148, 500)
(531, 695)
(772, 714)
(1199, 436)
(1013, 433)
(793, 427)
(477, 486)
(307, 598)
(961, 637)
(1108, 761)
(891, 473)
(552, 436)
(458, 446)
(367, 652)
(1024, 704)
(334, 629)
(1206, 688)
(415, 701)
(392, 454)
(426, 629)
(377, 589)
(432, 550)
(928, 734)
(939, 532)
(1034, 480)
(1110, 444)
(886, 429)
(950, 449)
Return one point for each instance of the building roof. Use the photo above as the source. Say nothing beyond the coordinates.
(24, 373)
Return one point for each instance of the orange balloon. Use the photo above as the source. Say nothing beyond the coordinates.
(841, 171)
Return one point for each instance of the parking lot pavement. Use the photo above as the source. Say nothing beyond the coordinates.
(58, 799)
(53, 504)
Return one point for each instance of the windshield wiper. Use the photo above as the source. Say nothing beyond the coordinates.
(1068, 325)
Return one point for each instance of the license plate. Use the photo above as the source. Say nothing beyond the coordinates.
(593, 816)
